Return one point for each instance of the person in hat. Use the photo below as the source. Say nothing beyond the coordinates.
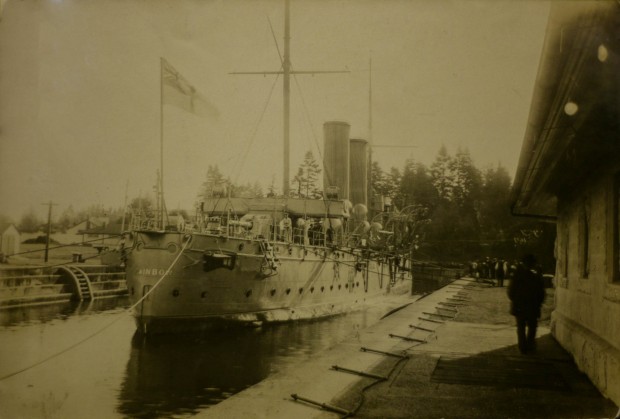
(526, 292)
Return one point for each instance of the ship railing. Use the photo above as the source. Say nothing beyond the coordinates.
(297, 235)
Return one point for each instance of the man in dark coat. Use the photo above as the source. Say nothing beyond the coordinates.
(527, 293)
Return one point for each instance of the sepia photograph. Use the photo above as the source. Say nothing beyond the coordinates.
(310, 209)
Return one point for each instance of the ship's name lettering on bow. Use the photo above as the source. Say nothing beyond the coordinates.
(151, 271)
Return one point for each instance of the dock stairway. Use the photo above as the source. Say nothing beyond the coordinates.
(84, 291)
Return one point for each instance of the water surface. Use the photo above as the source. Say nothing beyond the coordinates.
(119, 373)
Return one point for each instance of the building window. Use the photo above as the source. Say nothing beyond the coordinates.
(584, 240)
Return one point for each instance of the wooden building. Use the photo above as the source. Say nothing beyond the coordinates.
(569, 174)
(10, 238)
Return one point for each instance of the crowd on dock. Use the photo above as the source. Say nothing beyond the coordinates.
(492, 269)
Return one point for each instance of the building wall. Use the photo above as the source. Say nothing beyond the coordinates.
(586, 320)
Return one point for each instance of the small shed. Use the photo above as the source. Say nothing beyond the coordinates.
(10, 238)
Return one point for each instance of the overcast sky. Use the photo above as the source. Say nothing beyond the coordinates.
(80, 89)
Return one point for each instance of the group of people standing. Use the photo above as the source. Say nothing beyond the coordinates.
(492, 269)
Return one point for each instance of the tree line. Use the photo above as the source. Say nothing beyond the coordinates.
(466, 209)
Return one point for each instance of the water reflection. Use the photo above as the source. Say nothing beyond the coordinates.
(118, 373)
(184, 374)
(25, 315)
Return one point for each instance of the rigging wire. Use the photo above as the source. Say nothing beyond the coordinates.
(275, 40)
(241, 162)
(92, 335)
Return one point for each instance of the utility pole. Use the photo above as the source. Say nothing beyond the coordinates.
(49, 228)
(124, 207)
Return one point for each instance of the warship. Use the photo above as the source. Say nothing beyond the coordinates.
(246, 261)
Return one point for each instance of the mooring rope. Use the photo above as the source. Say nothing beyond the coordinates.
(128, 310)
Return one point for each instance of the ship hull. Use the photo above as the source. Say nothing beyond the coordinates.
(180, 282)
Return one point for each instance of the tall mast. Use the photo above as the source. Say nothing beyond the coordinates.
(370, 100)
(286, 92)
(286, 70)
(369, 193)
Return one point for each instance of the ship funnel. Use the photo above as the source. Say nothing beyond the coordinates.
(336, 159)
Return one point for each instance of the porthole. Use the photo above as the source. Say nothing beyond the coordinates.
(301, 290)
(248, 293)
(241, 246)
(273, 292)
(339, 286)
(139, 246)
(172, 247)
(288, 291)
(331, 287)
(175, 292)
(357, 284)
(322, 289)
(346, 286)
(203, 294)
(312, 289)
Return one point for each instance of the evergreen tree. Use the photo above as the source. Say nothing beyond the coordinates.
(248, 190)
(416, 187)
(298, 182)
(377, 179)
(67, 219)
(257, 190)
(142, 205)
(467, 180)
(214, 180)
(495, 217)
(392, 185)
(306, 181)
(442, 174)
(30, 222)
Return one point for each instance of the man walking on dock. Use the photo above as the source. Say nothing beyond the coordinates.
(527, 293)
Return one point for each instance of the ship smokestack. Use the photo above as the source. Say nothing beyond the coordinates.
(336, 158)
